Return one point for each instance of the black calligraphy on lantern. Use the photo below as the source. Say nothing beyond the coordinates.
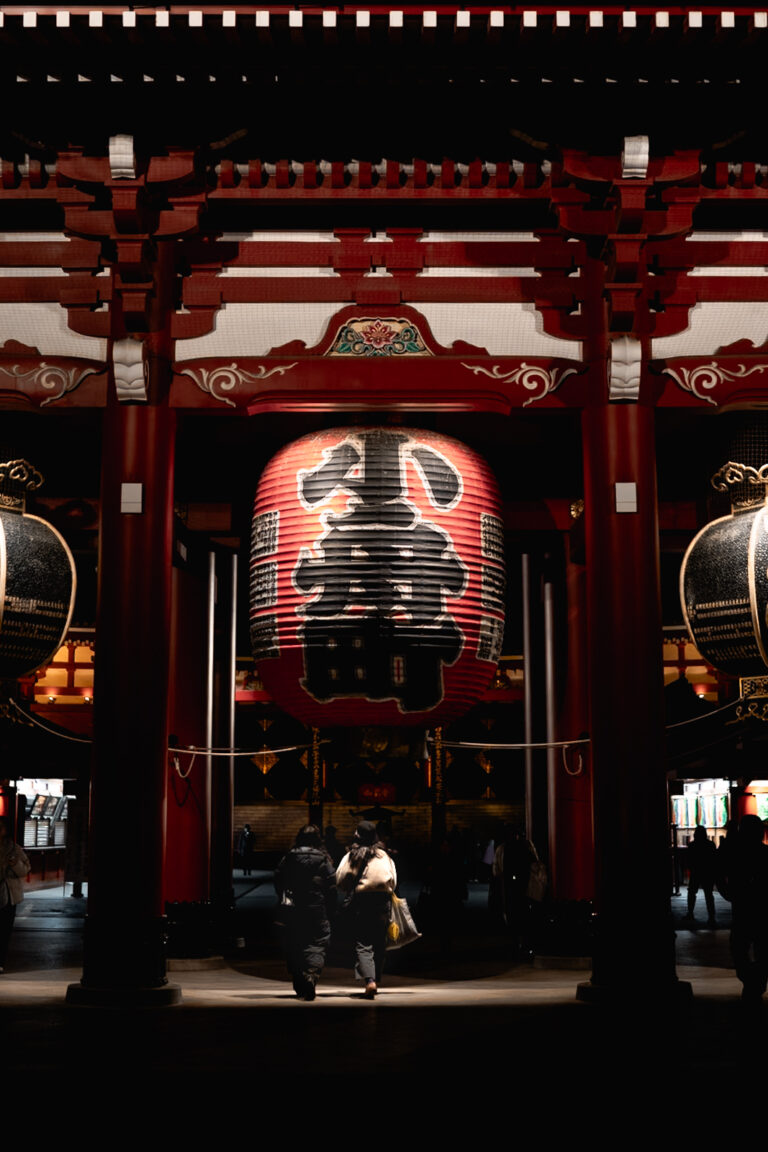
(377, 624)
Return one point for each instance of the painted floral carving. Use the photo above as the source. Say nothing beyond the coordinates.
(377, 336)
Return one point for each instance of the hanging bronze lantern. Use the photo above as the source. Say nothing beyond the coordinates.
(724, 583)
(37, 578)
(377, 577)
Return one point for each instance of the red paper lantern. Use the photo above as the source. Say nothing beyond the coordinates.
(377, 577)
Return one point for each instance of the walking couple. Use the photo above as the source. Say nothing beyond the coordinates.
(306, 885)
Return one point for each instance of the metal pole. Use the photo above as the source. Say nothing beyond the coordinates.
(549, 679)
(230, 703)
(209, 694)
(527, 693)
(232, 660)
(222, 687)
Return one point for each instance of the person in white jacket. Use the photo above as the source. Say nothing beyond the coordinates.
(14, 866)
(368, 876)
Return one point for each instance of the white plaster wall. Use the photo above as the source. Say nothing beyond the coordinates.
(281, 237)
(504, 329)
(466, 270)
(252, 329)
(6, 271)
(44, 326)
(714, 324)
(719, 237)
(481, 237)
(262, 270)
(34, 237)
(728, 270)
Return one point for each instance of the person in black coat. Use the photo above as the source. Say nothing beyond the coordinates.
(305, 882)
(744, 882)
(702, 872)
(246, 845)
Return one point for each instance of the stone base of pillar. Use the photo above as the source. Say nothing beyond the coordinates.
(125, 956)
(642, 994)
(161, 997)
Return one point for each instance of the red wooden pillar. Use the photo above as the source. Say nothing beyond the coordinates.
(746, 803)
(634, 949)
(187, 866)
(124, 933)
(574, 877)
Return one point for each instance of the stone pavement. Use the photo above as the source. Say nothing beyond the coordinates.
(442, 1022)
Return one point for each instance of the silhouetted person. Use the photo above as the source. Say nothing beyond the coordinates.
(306, 876)
(512, 866)
(14, 866)
(447, 889)
(726, 845)
(746, 886)
(701, 859)
(245, 847)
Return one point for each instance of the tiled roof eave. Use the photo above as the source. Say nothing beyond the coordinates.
(496, 19)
